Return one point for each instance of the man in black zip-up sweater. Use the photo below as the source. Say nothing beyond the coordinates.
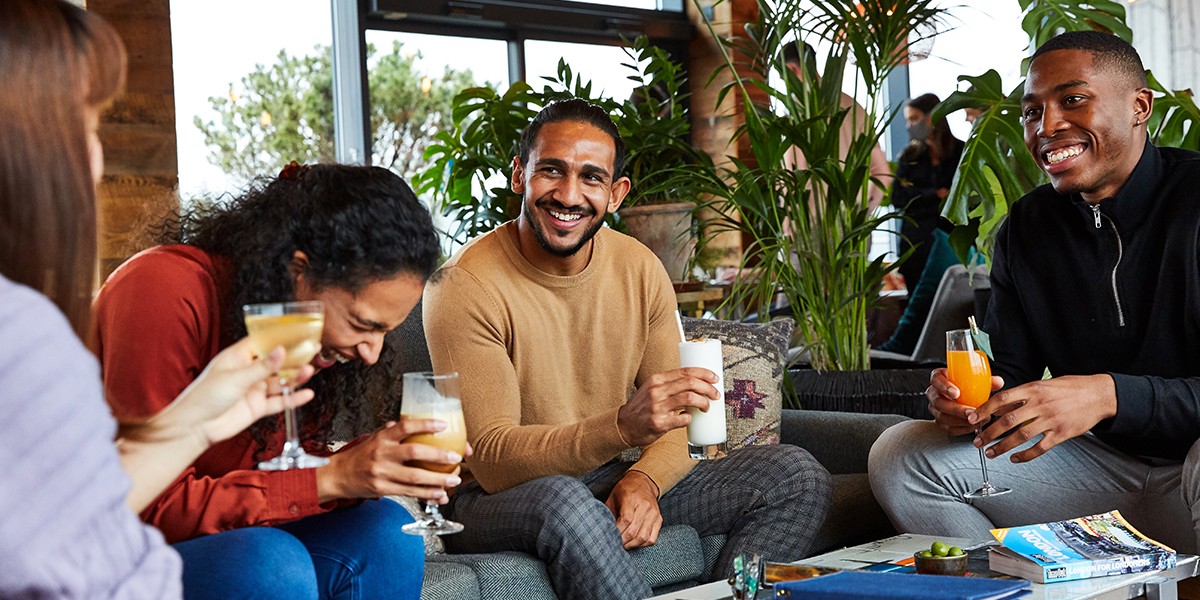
(1096, 279)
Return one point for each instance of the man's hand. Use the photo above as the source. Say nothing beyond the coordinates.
(377, 466)
(634, 503)
(944, 406)
(658, 406)
(1058, 409)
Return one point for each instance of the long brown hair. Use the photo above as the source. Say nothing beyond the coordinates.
(56, 61)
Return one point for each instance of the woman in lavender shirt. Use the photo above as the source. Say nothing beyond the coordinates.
(67, 508)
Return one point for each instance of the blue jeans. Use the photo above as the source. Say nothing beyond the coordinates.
(348, 554)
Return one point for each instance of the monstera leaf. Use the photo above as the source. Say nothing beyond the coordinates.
(1045, 19)
(1174, 120)
(995, 169)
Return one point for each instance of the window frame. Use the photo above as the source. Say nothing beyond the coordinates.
(511, 21)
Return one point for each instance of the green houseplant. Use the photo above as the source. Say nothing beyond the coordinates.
(995, 169)
(656, 127)
(467, 163)
(808, 230)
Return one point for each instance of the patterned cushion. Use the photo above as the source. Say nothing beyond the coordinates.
(755, 355)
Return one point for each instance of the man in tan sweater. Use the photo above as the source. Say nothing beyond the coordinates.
(564, 334)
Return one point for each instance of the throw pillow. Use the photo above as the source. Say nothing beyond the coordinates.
(755, 356)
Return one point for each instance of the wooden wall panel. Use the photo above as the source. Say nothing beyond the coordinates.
(713, 126)
(134, 203)
(141, 164)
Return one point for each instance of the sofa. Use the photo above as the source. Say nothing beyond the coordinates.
(840, 441)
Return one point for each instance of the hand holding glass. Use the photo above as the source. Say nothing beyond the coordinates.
(969, 371)
(706, 431)
(431, 396)
(296, 326)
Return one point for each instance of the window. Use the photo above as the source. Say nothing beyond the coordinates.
(510, 40)
(986, 35)
(675, 5)
(599, 64)
(412, 80)
(213, 50)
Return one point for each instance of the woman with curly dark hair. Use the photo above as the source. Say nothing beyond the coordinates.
(355, 238)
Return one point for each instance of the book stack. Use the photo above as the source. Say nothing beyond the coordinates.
(1095, 546)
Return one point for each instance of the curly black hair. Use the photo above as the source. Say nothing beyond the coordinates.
(356, 225)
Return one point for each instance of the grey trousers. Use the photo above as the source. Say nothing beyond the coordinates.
(767, 499)
(919, 475)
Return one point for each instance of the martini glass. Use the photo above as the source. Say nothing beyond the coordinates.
(297, 327)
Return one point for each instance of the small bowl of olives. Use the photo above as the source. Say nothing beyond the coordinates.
(941, 559)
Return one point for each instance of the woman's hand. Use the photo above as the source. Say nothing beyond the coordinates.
(379, 466)
(225, 399)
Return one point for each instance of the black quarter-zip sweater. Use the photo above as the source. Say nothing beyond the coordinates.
(1109, 288)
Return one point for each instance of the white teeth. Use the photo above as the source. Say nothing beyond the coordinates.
(1064, 154)
(332, 356)
(566, 216)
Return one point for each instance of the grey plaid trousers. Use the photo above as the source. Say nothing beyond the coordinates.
(766, 499)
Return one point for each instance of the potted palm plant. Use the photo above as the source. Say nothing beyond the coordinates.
(808, 230)
(654, 123)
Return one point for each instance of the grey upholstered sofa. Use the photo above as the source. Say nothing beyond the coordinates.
(840, 441)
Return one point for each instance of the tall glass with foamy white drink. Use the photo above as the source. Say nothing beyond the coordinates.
(706, 432)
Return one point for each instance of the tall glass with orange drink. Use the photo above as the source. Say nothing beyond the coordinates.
(434, 396)
(968, 369)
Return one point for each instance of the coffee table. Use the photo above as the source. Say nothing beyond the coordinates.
(1155, 585)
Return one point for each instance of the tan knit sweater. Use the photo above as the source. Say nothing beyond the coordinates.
(546, 361)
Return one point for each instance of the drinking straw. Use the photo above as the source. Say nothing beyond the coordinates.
(679, 322)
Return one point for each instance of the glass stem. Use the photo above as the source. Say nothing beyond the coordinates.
(292, 445)
(983, 464)
(431, 509)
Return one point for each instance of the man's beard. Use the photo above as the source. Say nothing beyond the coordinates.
(544, 240)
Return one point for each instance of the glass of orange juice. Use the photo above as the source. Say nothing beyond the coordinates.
(968, 369)
(429, 395)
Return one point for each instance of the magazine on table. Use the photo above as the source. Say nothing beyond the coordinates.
(1082, 548)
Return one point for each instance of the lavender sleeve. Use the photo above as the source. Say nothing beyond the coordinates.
(65, 531)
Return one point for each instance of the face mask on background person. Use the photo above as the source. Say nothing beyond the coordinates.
(919, 130)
